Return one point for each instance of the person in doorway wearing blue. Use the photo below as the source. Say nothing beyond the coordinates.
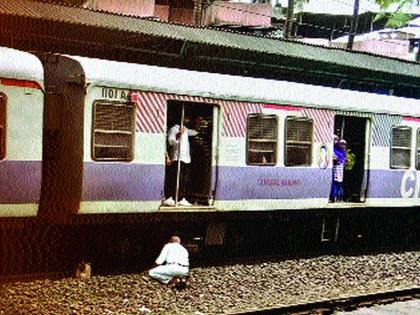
(339, 163)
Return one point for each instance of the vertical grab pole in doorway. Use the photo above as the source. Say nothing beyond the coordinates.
(343, 125)
(178, 171)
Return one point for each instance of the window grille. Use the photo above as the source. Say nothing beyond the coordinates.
(298, 144)
(113, 131)
(3, 108)
(401, 147)
(261, 139)
(418, 150)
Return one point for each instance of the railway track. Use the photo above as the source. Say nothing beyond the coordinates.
(317, 285)
(329, 306)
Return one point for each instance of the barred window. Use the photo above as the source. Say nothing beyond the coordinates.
(261, 139)
(401, 147)
(418, 150)
(113, 131)
(3, 101)
(298, 144)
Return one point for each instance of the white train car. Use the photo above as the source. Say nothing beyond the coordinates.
(264, 145)
(83, 146)
(267, 144)
(21, 121)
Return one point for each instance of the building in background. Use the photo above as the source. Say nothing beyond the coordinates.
(399, 43)
(140, 8)
(243, 17)
(179, 11)
(318, 22)
(327, 23)
(237, 15)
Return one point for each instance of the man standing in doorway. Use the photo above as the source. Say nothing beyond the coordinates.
(179, 150)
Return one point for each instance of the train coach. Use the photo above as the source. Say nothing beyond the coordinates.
(81, 136)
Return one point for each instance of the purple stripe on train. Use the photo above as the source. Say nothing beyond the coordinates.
(392, 184)
(272, 183)
(145, 182)
(237, 183)
(119, 181)
(20, 182)
(122, 181)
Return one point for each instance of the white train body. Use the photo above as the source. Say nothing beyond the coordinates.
(22, 103)
(127, 112)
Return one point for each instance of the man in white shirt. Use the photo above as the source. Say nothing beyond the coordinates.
(176, 260)
(179, 149)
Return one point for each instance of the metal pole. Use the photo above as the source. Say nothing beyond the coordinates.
(178, 171)
(343, 125)
(198, 8)
(289, 18)
(353, 26)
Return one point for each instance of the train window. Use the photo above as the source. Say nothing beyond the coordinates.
(401, 147)
(298, 144)
(113, 131)
(418, 150)
(3, 102)
(261, 139)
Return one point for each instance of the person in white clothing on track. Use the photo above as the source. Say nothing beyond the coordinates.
(173, 263)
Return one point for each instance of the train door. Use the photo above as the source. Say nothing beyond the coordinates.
(354, 130)
(188, 180)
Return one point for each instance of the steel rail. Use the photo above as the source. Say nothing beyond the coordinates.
(345, 303)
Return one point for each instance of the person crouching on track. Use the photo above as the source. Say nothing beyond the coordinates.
(173, 264)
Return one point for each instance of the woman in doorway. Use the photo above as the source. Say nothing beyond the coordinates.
(339, 163)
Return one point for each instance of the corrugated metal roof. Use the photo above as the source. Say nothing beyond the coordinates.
(207, 36)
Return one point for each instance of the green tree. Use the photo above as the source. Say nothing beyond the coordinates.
(396, 18)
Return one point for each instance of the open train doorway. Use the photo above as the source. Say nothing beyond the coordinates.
(353, 131)
(189, 144)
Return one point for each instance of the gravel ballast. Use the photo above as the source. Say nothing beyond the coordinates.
(217, 290)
